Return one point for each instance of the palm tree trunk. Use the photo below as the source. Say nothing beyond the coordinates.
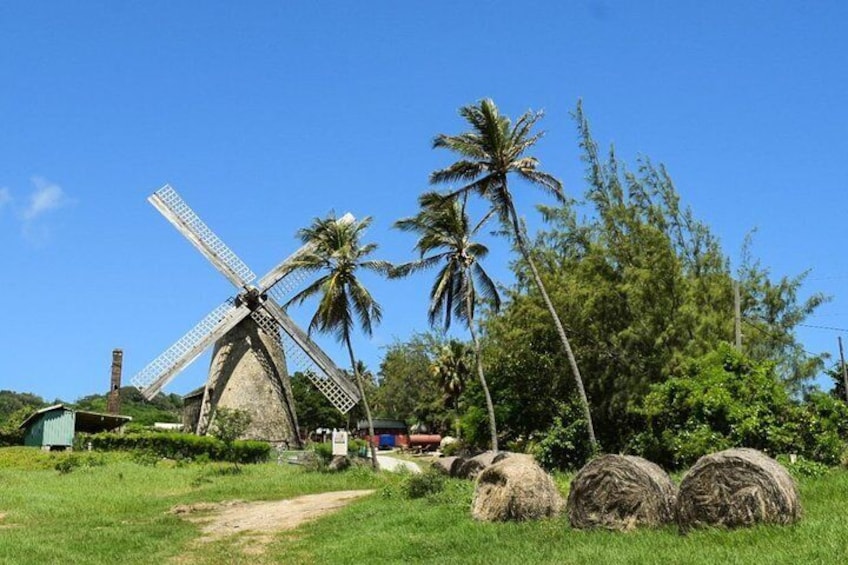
(578, 380)
(479, 363)
(374, 464)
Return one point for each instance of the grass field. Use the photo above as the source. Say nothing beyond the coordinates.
(111, 509)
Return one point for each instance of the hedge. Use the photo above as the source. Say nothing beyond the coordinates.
(176, 445)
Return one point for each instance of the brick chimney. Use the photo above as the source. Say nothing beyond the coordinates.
(113, 403)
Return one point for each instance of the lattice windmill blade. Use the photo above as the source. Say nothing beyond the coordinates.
(176, 211)
(308, 357)
(164, 368)
(281, 274)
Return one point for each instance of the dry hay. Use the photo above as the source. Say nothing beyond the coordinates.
(449, 466)
(737, 487)
(505, 454)
(620, 492)
(515, 489)
(475, 465)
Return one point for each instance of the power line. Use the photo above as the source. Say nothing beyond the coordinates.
(829, 328)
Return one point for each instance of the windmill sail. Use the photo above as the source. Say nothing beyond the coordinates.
(178, 212)
(164, 368)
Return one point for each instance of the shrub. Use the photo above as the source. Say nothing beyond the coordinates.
(324, 451)
(803, 467)
(68, 464)
(722, 400)
(454, 448)
(181, 446)
(428, 483)
(357, 447)
(10, 437)
(565, 446)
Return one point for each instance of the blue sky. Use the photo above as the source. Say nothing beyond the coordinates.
(267, 114)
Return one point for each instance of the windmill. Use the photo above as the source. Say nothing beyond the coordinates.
(254, 339)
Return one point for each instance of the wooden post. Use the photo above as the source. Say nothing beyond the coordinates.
(844, 373)
(737, 315)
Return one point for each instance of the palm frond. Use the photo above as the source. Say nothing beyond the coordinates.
(487, 287)
(459, 171)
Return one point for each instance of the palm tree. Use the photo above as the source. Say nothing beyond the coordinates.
(445, 234)
(490, 152)
(451, 370)
(337, 254)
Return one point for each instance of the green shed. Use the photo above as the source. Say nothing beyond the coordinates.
(54, 427)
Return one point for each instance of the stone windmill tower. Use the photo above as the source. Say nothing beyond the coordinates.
(253, 337)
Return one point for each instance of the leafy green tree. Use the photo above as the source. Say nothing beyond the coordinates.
(313, 409)
(161, 408)
(492, 151)
(12, 402)
(451, 369)
(337, 254)
(445, 238)
(406, 389)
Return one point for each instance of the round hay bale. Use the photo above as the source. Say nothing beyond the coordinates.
(515, 489)
(737, 487)
(620, 492)
(449, 466)
(504, 454)
(473, 466)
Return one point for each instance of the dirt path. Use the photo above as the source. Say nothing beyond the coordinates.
(228, 518)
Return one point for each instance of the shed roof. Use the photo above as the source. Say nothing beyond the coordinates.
(382, 423)
(90, 422)
(37, 413)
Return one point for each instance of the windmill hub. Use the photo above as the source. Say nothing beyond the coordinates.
(252, 297)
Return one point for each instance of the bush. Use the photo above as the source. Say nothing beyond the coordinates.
(428, 483)
(566, 444)
(454, 448)
(68, 464)
(11, 437)
(820, 427)
(181, 446)
(357, 448)
(802, 467)
(722, 400)
(324, 451)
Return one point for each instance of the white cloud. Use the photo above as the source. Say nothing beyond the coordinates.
(5, 197)
(47, 196)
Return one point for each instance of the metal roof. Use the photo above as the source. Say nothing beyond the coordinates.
(91, 422)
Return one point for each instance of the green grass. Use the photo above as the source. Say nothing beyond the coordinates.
(117, 512)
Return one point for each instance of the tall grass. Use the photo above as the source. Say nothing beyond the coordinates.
(117, 513)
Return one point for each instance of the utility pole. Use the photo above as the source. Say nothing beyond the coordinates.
(844, 373)
(737, 315)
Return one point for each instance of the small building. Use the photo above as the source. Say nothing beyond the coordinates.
(387, 433)
(54, 427)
